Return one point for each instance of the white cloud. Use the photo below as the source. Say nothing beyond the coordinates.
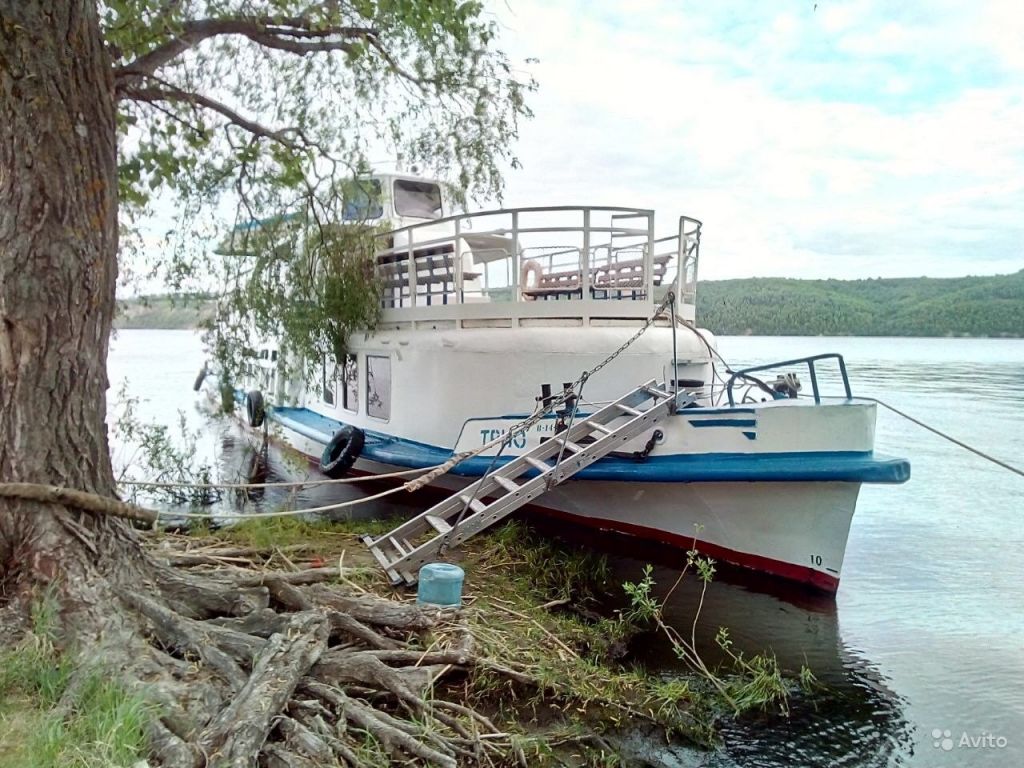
(839, 142)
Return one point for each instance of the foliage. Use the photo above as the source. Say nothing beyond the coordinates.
(963, 306)
(754, 682)
(50, 717)
(516, 580)
(160, 456)
(275, 108)
(305, 286)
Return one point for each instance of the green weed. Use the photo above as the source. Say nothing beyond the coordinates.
(105, 725)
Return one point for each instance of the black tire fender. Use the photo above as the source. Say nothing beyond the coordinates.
(255, 410)
(200, 377)
(342, 451)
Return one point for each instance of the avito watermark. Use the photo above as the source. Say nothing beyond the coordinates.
(943, 739)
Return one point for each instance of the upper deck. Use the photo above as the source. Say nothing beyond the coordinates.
(558, 265)
(512, 267)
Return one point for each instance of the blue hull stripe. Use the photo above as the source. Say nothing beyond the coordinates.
(723, 422)
(819, 466)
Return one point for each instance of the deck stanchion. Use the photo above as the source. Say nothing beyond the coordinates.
(411, 265)
(585, 257)
(649, 257)
(515, 256)
(459, 289)
(682, 261)
(814, 381)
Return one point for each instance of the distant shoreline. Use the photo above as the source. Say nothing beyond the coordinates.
(167, 313)
(918, 307)
(990, 307)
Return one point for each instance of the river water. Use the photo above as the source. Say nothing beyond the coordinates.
(920, 654)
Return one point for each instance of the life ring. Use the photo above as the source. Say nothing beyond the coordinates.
(254, 408)
(341, 453)
(527, 268)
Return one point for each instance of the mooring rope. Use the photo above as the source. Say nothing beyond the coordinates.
(280, 512)
(930, 428)
(282, 484)
(945, 436)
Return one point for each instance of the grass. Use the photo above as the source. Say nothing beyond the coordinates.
(513, 578)
(268, 532)
(104, 724)
(531, 599)
(531, 605)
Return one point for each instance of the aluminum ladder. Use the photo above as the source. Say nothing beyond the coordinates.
(494, 496)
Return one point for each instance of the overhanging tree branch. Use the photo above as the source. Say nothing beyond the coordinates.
(284, 34)
(166, 92)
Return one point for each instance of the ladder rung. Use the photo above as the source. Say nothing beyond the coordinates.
(627, 409)
(475, 504)
(438, 524)
(398, 547)
(537, 464)
(383, 560)
(599, 427)
(509, 485)
(658, 392)
(571, 445)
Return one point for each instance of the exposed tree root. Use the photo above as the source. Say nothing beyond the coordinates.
(284, 670)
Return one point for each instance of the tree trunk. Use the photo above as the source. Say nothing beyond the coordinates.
(58, 267)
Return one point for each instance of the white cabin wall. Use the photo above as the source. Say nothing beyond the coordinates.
(442, 378)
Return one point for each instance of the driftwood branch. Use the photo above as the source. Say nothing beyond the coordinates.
(240, 730)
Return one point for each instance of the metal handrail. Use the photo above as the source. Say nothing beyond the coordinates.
(637, 212)
(622, 234)
(810, 361)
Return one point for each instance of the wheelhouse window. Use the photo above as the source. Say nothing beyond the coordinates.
(417, 199)
(378, 386)
(350, 375)
(328, 382)
(362, 200)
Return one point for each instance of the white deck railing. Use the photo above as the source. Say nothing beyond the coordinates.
(541, 261)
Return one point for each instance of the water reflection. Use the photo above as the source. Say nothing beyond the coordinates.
(854, 718)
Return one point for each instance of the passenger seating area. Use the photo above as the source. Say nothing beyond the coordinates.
(613, 280)
(435, 277)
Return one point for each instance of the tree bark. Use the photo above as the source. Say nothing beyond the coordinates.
(58, 267)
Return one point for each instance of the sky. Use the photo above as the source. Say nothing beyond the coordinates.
(838, 139)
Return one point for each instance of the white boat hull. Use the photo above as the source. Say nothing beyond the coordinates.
(793, 530)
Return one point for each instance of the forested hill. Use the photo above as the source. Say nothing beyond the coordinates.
(919, 306)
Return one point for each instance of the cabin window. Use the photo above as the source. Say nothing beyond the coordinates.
(329, 382)
(350, 375)
(417, 199)
(378, 386)
(362, 200)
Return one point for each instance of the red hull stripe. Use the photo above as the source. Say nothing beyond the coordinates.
(798, 573)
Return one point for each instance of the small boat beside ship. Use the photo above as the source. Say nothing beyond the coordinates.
(552, 315)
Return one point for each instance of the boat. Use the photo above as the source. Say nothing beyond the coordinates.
(491, 317)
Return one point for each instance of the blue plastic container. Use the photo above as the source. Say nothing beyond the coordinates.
(440, 584)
